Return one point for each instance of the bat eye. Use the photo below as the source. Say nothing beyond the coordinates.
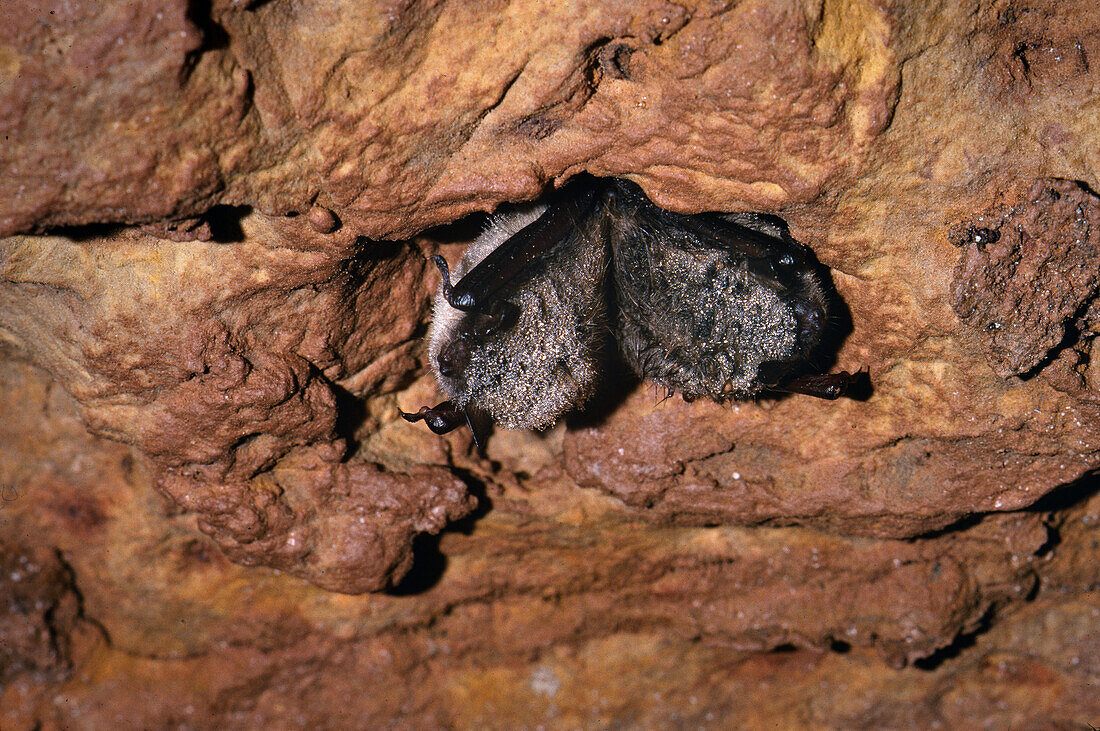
(454, 358)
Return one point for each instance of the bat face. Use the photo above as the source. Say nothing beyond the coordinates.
(545, 356)
(704, 305)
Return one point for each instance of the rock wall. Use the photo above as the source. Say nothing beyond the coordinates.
(213, 296)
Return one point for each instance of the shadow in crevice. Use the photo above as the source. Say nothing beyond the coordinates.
(1074, 330)
(429, 563)
(462, 231)
(956, 526)
(963, 641)
(1056, 502)
(82, 233)
(370, 251)
(617, 384)
(1068, 495)
(351, 412)
(214, 36)
(225, 223)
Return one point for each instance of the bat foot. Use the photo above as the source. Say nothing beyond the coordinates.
(441, 419)
(831, 386)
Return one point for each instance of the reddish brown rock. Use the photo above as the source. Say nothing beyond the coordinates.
(1029, 273)
(114, 114)
(840, 465)
(219, 359)
(38, 610)
(398, 137)
(555, 612)
(345, 527)
(198, 382)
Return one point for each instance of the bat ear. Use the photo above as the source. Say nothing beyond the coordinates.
(498, 316)
(445, 276)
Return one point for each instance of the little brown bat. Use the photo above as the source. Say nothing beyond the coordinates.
(721, 306)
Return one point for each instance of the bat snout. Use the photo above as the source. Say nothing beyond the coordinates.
(453, 359)
(811, 318)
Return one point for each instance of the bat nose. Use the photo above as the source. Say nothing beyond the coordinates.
(811, 321)
(453, 359)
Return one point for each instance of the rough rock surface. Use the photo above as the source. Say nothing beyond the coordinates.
(1029, 273)
(222, 363)
(211, 514)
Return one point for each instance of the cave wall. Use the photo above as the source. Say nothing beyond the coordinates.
(213, 297)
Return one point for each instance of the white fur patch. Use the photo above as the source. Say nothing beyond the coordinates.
(445, 319)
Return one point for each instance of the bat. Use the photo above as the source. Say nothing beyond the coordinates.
(705, 305)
